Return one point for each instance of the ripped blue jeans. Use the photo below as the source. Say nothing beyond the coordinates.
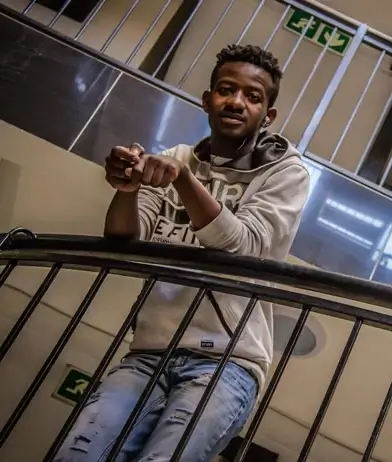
(169, 409)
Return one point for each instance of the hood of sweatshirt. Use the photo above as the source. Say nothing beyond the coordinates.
(269, 147)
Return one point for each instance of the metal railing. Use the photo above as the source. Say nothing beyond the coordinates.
(182, 265)
(362, 40)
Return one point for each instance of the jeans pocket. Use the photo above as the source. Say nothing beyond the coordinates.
(241, 382)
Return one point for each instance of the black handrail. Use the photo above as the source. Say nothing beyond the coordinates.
(214, 261)
(184, 265)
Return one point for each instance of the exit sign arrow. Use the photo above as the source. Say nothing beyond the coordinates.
(318, 31)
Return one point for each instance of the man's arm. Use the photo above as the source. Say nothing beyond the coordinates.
(201, 207)
(271, 214)
(133, 214)
(122, 218)
(134, 208)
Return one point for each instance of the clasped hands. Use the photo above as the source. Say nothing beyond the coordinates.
(129, 168)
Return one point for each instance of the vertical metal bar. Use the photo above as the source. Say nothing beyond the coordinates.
(330, 392)
(29, 6)
(331, 90)
(277, 27)
(297, 44)
(7, 270)
(255, 424)
(59, 13)
(29, 310)
(380, 252)
(96, 110)
(357, 106)
(90, 18)
(113, 85)
(250, 22)
(386, 171)
(102, 366)
(373, 136)
(144, 397)
(214, 380)
(116, 30)
(378, 426)
(52, 358)
(177, 39)
(148, 31)
(206, 42)
(308, 80)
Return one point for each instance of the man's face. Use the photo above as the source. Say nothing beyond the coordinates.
(237, 106)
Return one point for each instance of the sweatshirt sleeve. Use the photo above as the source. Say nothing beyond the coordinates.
(269, 218)
(150, 202)
(149, 205)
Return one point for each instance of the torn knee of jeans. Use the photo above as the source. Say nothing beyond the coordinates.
(81, 443)
(180, 416)
(203, 380)
(153, 456)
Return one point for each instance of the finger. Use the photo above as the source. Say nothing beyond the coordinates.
(167, 179)
(136, 172)
(124, 154)
(115, 162)
(137, 149)
(157, 176)
(116, 172)
(148, 173)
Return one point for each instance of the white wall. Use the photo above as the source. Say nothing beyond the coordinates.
(297, 72)
(70, 195)
(104, 23)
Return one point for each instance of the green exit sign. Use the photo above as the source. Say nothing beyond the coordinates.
(73, 385)
(318, 31)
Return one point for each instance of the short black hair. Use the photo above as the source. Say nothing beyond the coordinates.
(254, 55)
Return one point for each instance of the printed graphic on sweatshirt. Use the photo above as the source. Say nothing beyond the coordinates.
(172, 225)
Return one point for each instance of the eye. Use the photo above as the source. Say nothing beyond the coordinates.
(224, 91)
(254, 98)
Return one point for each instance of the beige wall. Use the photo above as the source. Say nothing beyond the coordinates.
(106, 21)
(62, 193)
(297, 72)
(376, 13)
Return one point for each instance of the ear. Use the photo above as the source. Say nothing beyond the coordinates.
(270, 117)
(206, 101)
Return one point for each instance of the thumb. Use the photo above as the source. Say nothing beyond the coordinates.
(136, 149)
(136, 170)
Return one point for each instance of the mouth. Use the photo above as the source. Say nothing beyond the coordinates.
(229, 118)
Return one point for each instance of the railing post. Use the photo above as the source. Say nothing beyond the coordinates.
(378, 426)
(52, 358)
(102, 366)
(312, 127)
(214, 380)
(255, 424)
(29, 310)
(114, 452)
(330, 392)
(7, 271)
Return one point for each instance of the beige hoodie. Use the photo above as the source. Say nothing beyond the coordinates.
(262, 196)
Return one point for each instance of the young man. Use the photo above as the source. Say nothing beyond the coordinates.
(240, 190)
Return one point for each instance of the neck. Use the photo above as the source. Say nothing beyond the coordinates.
(231, 148)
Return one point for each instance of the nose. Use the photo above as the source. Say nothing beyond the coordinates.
(236, 101)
